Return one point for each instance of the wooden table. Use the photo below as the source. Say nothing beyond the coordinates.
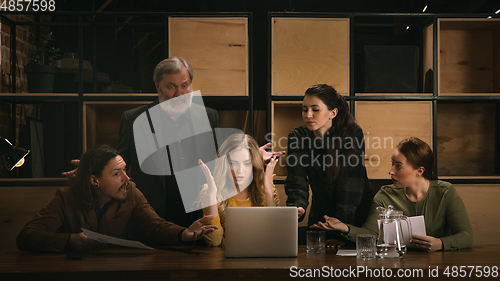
(202, 263)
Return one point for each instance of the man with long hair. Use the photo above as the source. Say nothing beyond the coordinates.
(102, 199)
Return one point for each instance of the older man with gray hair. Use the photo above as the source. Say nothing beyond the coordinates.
(173, 81)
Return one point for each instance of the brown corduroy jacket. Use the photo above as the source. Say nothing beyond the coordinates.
(50, 229)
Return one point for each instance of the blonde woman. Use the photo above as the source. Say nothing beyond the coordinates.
(239, 180)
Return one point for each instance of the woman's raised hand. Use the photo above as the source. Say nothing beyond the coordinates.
(212, 188)
(269, 175)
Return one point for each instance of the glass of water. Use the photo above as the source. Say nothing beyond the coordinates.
(366, 246)
(315, 242)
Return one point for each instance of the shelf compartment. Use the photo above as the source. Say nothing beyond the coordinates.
(468, 59)
(308, 51)
(285, 116)
(387, 123)
(102, 121)
(466, 139)
(428, 59)
(216, 49)
(38, 96)
(240, 119)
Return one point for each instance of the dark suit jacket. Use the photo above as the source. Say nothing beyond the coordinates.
(50, 229)
(162, 192)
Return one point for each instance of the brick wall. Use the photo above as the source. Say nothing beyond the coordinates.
(25, 38)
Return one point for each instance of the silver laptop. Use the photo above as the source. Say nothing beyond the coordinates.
(261, 232)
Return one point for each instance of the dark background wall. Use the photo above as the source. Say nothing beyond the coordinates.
(134, 66)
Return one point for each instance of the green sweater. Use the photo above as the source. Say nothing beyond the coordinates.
(443, 210)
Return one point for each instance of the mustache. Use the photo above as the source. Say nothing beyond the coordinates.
(184, 97)
(126, 185)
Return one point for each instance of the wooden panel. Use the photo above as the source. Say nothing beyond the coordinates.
(469, 177)
(102, 121)
(466, 61)
(239, 119)
(468, 23)
(216, 49)
(481, 202)
(285, 116)
(260, 126)
(496, 60)
(428, 53)
(90, 125)
(307, 52)
(466, 139)
(147, 96)
(280, 188)
(18, 205)
(385, 124)
(38, 96)
(394, 95)
(468, 58)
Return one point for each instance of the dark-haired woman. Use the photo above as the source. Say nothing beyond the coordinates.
(416, 191)
(327, 154)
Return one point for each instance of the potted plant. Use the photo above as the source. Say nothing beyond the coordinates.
(39, 69)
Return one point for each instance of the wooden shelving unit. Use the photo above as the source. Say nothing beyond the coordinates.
(217, 46)
(102, 121)
(455, 108)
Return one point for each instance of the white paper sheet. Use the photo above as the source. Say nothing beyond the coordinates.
(346, 253)
(113, 240)
(417, 227)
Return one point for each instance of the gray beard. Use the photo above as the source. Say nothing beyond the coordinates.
(177, 110)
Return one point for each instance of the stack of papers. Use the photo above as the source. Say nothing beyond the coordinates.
(113, 240)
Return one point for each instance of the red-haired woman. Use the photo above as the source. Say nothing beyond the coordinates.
(416, 191)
